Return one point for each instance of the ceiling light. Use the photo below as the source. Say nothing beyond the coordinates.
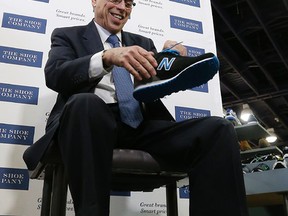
(272, 138)
(246, 113)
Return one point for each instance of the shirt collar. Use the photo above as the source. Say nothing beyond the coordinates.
(104, 34)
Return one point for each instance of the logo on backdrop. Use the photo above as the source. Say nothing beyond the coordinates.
(47, 1)
(21, 57)
(69, 15)
(184, 192)
(202, 88)
(194, 51)
(120, 193)
(151, 207)
(195, 3)
(186, 24)
(152, 4)
(19, 94)
(24, 23)
(16, 134)
(15, 179)
(69, 205)
(150, 30)
(184, 113)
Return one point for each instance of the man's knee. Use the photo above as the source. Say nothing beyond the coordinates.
(224, 132)
(220, 122)
(219, 131)
(88, 107)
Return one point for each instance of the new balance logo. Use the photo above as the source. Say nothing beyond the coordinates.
(166, 64)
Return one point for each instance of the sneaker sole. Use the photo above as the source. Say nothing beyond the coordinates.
(200, 72)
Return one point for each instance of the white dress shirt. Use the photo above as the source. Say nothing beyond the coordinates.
(105, 89)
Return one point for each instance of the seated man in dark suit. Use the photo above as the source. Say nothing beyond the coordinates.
(87, 123)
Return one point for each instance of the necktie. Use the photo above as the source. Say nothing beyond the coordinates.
(130, 110)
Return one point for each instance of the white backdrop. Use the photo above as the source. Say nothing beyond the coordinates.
(25, 101)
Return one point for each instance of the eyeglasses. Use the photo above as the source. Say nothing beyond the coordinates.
(128, 3)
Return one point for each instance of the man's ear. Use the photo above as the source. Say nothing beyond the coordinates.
(93, 3)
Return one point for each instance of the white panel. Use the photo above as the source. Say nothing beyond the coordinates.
(26, 26)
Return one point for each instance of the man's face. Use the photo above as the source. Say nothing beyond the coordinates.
(110, 16)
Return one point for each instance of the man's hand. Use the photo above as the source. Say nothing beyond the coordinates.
(179, 47)
(138, 61)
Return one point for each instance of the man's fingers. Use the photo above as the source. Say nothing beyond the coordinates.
(139, 62)
(135, 73)
(137, 69)
(147, 63)
(150, 57)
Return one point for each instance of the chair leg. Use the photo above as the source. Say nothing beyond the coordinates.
(171, 199)
(47, 190)
(59, 192)
(285, 201)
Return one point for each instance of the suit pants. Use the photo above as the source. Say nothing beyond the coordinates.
(206, 148)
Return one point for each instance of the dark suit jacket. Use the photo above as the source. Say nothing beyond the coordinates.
(66, 72)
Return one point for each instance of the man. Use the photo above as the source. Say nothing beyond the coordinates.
(87, 124)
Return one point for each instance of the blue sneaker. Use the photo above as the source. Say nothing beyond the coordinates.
(176, 73)
(232, 117)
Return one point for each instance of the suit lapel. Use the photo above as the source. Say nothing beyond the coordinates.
(126, 40)
(92, 40)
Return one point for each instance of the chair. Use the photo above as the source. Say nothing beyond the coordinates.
(133, 170)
